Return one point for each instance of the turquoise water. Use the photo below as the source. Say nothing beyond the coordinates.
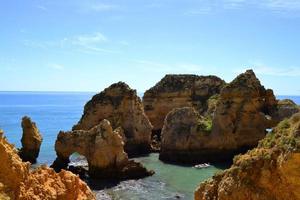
(169, 182)
(60, 111)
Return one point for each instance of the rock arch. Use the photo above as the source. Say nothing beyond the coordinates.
(102, 147)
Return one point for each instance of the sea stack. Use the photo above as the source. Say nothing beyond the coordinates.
(239, 120)
(177, 91)
(31, 141)
(18, 181)
(120, 105)
(270, 171)
(103, 148)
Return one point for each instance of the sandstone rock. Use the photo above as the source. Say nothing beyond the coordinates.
(270, 171)
(185, 132)
(242, 114)
(123, 108)
(285, 109)
(31, 141)
(241, 117)
(176, 91)
(103, 149)
(18, 182)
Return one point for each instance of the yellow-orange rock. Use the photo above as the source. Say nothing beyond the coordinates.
(270, 171)
(102, 147)
(31, 141)
(184, 136)
(17, 181)
(243, 113)
(123, 108)
(177, 91)
(239, 121)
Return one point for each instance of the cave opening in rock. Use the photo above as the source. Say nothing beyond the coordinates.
(78, 165)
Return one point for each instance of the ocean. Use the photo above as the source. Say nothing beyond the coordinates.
(55, 111)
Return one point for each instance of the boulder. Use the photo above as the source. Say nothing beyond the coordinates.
(270, 171)
(176, 91)
(123, 108)
(241, 116)
(18, 181)
(31, 141)
(102, 147)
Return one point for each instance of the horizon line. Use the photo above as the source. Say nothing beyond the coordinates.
(53, 91)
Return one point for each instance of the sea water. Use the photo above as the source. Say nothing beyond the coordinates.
(55, 111)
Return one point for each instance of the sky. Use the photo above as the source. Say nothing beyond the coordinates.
(86, 45)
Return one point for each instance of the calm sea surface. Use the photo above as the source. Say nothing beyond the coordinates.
(60, 111)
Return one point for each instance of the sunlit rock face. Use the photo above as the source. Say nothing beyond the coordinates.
(17, 181)
(103, 148)
(176, 91)
(270, 171)
(123, 108)
(243, 112)
(31, 141)
(241, 116)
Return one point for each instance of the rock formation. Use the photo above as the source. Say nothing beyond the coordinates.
(185, 132)
(17, 181)
(270, 171)
(103, 149)
(285, 109)
(31, 141)
(123, 108)
(243, 112)
(176, 91)
(240, 120)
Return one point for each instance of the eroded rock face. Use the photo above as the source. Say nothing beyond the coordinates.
(239, 121)
(31, 141)
(285, 109)
(123, 108)
(270, 171)
(185, 132)
(242, 114)
(177, 91)
(102, 147)
(18, 182)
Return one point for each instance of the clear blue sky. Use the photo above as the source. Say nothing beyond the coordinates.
(85, 45)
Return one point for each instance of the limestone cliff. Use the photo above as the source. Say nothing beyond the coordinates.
(123, 108)
(240, 119)
(102, 147)
(31, 141)
(17, 181)
(270, 171)
(243, 113)
(176, 91)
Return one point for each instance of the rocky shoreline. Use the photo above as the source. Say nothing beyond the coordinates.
(269, 171)
(188, 119)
